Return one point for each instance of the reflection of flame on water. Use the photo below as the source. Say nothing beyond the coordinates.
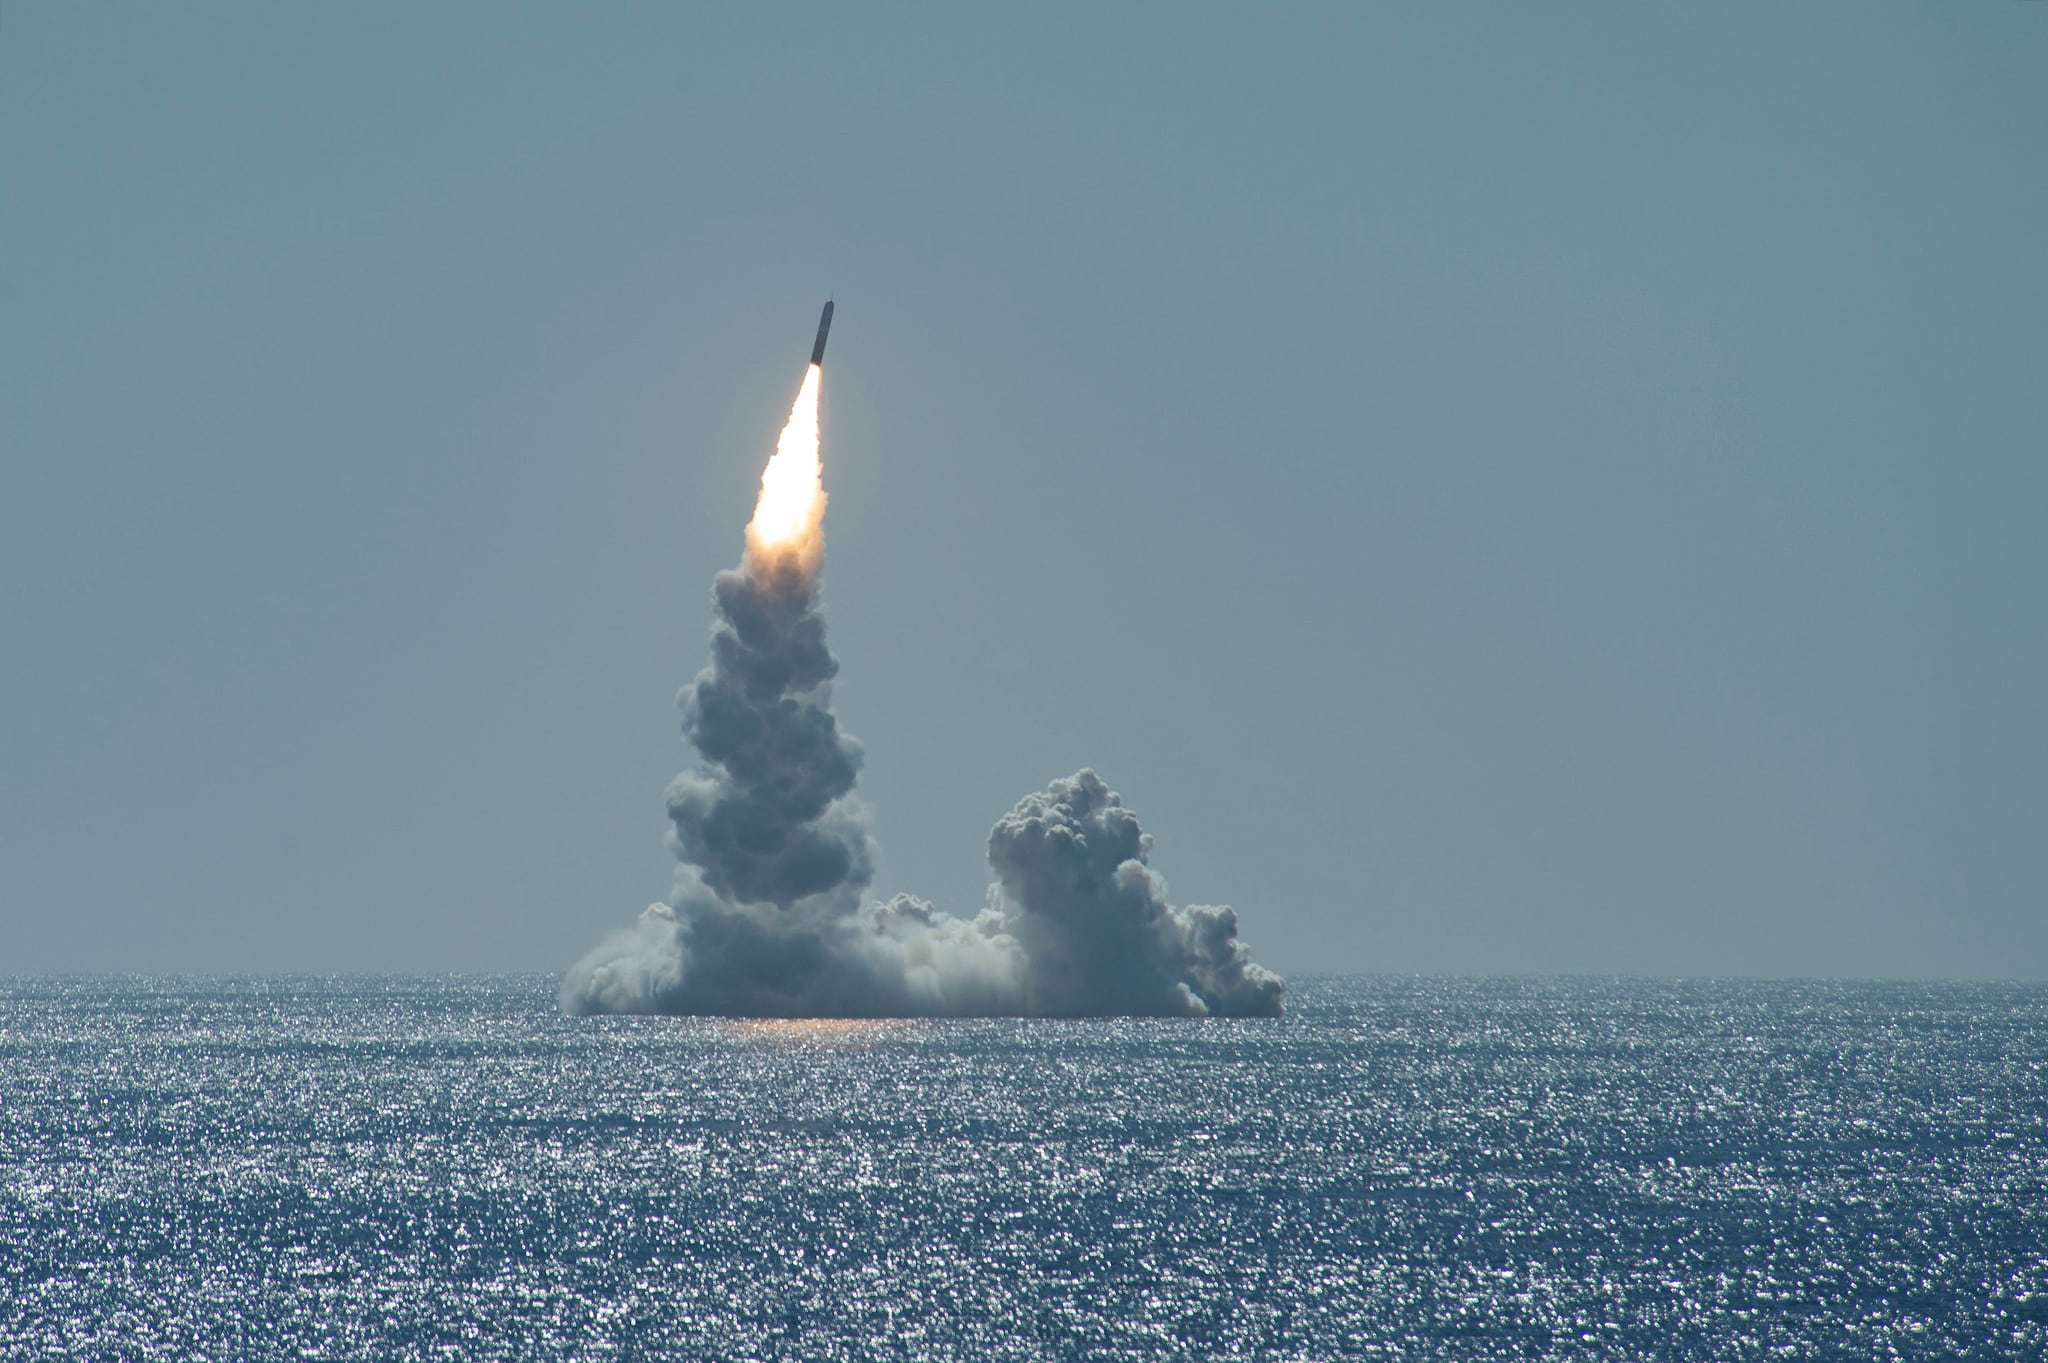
(817, 1031)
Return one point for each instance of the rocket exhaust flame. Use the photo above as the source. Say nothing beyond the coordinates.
(767, 917)
(790, 514)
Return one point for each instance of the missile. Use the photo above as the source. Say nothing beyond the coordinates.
(824, 325)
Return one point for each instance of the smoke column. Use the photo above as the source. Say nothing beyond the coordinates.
(767, 917)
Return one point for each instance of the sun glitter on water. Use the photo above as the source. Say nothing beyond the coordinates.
(791, 511)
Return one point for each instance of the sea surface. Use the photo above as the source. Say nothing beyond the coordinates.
(409, 1168)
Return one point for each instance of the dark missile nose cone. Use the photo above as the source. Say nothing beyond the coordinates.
(824, 326)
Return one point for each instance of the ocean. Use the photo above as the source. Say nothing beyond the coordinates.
(447, 1168)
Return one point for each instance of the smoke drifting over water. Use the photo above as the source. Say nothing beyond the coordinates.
(768, 918)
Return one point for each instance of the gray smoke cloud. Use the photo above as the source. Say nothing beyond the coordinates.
(767, 917)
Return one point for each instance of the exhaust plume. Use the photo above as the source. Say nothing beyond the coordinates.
(790, 514)
(767, 917)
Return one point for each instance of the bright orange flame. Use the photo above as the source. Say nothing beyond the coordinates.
(788, 517)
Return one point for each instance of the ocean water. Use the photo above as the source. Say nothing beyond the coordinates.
(394, 1168)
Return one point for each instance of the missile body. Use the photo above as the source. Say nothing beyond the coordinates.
(824, 325)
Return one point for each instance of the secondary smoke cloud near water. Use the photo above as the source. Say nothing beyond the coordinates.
(769, 915)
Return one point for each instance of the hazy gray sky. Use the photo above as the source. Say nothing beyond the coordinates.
(1497, 489)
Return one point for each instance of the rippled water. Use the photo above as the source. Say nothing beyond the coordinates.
(412, 1168)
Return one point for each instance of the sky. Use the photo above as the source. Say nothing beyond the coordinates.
(1497, 489)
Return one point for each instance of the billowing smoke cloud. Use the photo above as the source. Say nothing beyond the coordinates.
(1074, 891)
(767, 917)
(770, 823)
